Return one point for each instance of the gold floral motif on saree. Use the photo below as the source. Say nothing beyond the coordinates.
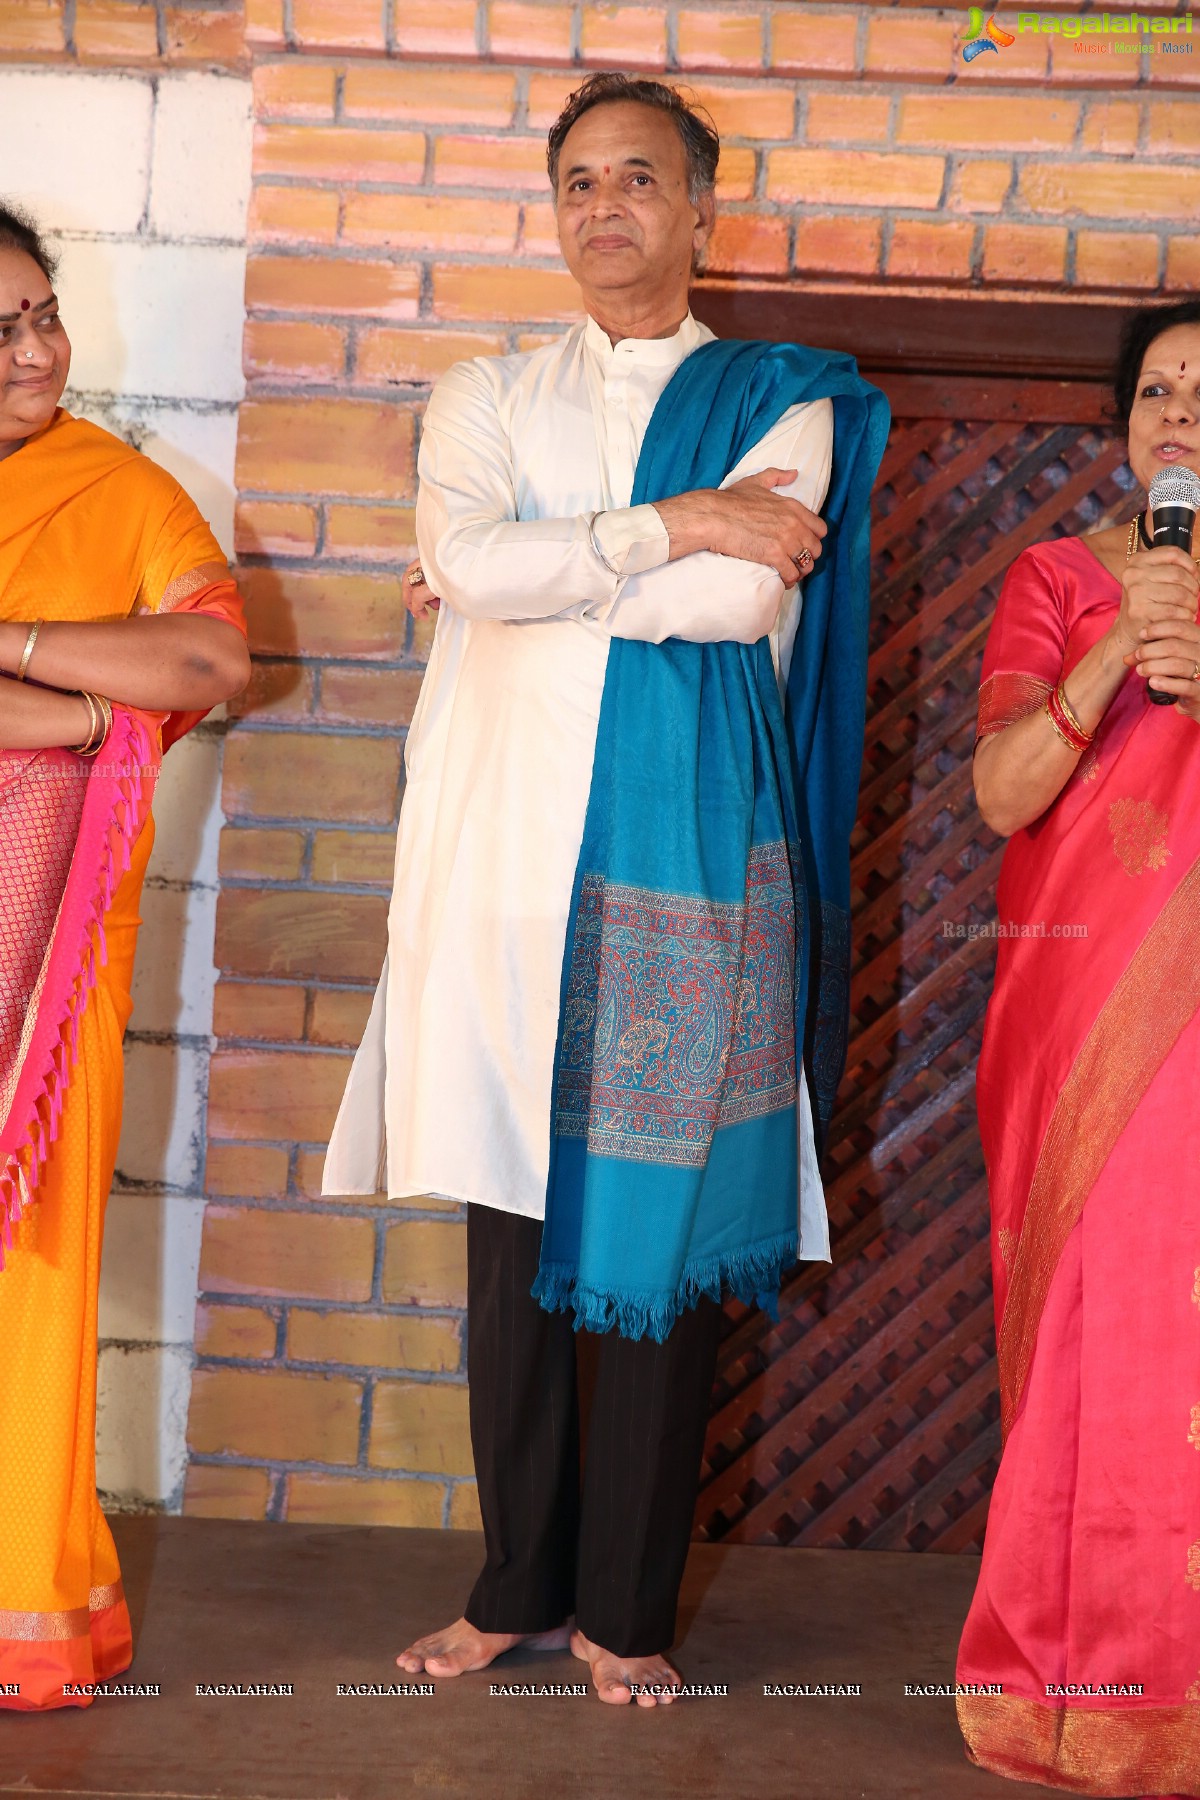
(1193, 1692)
(1196, 1289)
(1194, 1433)
(1139, 834)
(1006, 697)
(1092, 1750)
(1193, 1569)
(1088, 766)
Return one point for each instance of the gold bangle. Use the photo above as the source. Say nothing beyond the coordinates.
(1059, 732)
(105, 706)
(89, 745)
(1070, 711)
(27, 652)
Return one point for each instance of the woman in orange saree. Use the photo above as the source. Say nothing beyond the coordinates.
(1080, 1661)
(119, 628)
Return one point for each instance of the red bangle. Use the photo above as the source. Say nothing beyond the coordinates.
(1065, 723)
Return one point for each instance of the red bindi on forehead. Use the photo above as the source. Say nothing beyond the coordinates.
(24, 306)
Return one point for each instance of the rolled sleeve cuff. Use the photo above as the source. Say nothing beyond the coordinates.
(631, 540)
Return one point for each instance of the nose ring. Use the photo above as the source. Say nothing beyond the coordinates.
(29, 354)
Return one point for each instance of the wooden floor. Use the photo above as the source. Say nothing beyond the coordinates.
(315, 1606)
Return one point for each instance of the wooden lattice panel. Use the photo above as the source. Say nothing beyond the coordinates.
(868, 1416)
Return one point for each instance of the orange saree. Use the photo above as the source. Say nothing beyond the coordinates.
(1085, 1625)
(89, 530)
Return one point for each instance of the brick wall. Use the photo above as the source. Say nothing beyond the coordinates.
(399, 221)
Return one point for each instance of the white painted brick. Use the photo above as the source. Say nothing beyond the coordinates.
(157, 319)
(198, 449)
(75, 148)
(163, 1129)
(187, 811)
(200, 179)
(174, 976)
(141, 1422)
(150, 1268)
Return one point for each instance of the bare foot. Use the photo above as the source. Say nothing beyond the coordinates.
(615, 1678)
(460, 1649)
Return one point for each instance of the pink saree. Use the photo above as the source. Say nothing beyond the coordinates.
(1087, 1611)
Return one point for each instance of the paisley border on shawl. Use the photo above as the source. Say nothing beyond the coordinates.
(1092, 1750)
(1135, 1030)
(680, 1014)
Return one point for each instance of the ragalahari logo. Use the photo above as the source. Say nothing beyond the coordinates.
(979, 37)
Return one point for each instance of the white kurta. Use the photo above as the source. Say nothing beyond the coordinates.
(450, 1092)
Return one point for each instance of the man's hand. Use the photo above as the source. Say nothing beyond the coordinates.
(419, 596)
(748, 520)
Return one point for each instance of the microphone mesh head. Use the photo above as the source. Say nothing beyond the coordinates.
(1175, 487)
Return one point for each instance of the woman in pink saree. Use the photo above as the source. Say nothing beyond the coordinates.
(119, 627)
(1084, 1631)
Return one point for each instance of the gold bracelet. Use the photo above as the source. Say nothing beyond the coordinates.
(27, 652)
(105, 706)
(1059, 732)
(89, 745)
(1072, 719)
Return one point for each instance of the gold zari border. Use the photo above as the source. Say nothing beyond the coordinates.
(1134, 1750)
(55, 1627)
(1006, 697)
(1135, 1030)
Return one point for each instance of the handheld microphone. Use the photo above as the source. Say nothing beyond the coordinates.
(1174, 503)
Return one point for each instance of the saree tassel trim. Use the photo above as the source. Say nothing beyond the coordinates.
(22, 1168)
(749, 1275)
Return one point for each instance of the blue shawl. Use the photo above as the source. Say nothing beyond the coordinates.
(708, 939)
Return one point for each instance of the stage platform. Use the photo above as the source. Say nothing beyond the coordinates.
(218, 1602)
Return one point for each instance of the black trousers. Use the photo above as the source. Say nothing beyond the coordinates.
(609, 1547)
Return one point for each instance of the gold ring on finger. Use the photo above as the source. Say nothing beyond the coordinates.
(1196, 671)
(804, 560)
(416, 577)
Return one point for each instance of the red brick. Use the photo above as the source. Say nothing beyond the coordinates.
(980, 186)
(422, 1426)
(294, 90)
(292, 215)
(372, 534)
(1116, 259)
(264, 23)
(284, 932)
(921, 248)
(246, 1332)
(431, 222)
(1183, 264)
(746, 244)
(464, 1507)
(425, 1264)
(548, 95)
(112, 31)
(339, 1017)
(339, 153)
(417, 356)
(246, 1171)
(1173, 128)
(310, 284)
(736, 172)
(1112, 126)
(233, 1491)
(842, 118)
(717, 39)
(362, 1500)
(353, 447)
(357, 616)
(920, 48)
(522, 33)
(250, 853)
(1024, 253)
(282, 1096)
(309, 1255)
(470, 294)
(808, 43)
(268, 1013)
(347, 25)
(1109, 191)
(32, 25)
(309, 775)
(987, 121)
(204, 39)
(539, 231)
(838, 245)
(374, 1340)
(760, 111)
(435, 28)
(1022, 64)
(274, 528)
(274, 1414)
(359, 859)
(369, 696)
(292, 350)
(855, 178)
(620, 36)
(512, 164)
(1077, 66)
(434, 96)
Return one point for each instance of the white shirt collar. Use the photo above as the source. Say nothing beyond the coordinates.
(649, 352)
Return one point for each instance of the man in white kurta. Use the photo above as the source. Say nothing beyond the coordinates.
(527, 536)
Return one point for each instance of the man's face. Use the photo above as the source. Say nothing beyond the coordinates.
(624, 217)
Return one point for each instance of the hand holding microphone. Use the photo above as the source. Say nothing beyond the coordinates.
(1160, 591)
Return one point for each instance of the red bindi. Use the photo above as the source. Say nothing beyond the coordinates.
(24, 306)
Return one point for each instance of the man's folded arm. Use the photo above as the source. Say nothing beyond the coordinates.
(706, 598)
(478, 556)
